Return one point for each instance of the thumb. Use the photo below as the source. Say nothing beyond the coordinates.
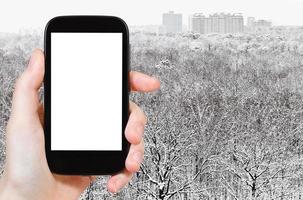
(24, 138)
(25, 103)
(24, 130)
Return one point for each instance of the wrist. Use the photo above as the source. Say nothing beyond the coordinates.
(8, 193)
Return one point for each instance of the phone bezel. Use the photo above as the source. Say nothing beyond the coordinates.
(85, 162)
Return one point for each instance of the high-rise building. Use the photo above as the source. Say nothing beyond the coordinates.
(172, 22)
(197, 23)
(217, 23)
(238, 23)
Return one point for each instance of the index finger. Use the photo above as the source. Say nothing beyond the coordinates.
(142, 82)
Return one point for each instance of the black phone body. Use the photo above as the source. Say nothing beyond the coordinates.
(83, 136)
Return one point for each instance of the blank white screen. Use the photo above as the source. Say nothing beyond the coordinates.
(86, 91)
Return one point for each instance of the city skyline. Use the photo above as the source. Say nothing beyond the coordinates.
(223, 23)
(214, 23)
(16, 14)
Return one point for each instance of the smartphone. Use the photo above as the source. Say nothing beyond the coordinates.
(86, 94)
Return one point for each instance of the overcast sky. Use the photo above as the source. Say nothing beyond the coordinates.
(23, 14)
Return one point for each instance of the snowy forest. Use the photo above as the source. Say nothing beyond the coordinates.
(227, 122)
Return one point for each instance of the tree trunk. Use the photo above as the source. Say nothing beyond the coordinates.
(253, 190)
(161, 194)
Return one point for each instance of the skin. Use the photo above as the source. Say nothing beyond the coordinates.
(26, 173)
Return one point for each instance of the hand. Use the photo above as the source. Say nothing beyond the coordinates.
(26, 173)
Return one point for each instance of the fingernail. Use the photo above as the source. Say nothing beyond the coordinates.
(138, 157)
